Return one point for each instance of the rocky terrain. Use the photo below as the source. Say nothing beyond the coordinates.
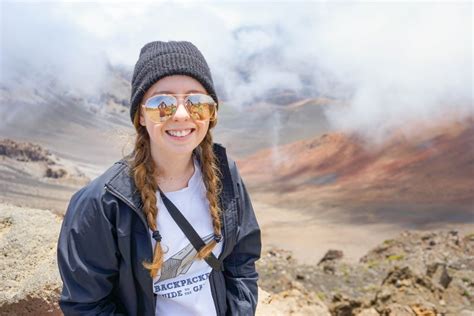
(31, 175)
(29, 278)
(414, 274)
(428, 273)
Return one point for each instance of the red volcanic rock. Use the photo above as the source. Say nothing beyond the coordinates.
(434, 164)
(306, 160)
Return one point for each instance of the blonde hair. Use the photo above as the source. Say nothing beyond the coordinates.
(143, 170)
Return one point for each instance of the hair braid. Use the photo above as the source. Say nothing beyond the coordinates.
(143, 171)
(211, 177)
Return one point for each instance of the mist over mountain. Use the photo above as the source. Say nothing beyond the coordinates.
(387, 62)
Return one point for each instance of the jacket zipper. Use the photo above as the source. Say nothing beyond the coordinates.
(225, 235)
(214, 295)
(214, 279)
(126, 201)
(239, 206)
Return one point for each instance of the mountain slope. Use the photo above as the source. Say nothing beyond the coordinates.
(432, 170)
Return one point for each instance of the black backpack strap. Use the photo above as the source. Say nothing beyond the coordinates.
(189, 231)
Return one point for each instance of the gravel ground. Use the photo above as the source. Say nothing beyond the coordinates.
(29, 278)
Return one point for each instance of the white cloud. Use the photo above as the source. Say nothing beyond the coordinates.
(393, 61)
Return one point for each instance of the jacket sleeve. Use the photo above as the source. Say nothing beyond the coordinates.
(239, 267)
(87, 258)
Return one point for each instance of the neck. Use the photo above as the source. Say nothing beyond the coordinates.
(172, 166)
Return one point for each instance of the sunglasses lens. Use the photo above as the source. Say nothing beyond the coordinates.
(160, 108)
(201, 106)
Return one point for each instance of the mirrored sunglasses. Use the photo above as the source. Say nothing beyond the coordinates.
(160, 108)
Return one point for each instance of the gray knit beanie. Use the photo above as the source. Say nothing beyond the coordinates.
(160, 59)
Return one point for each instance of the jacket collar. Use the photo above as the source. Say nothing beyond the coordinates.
(123, 185)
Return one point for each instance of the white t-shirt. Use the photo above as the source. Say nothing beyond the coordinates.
(182, 285)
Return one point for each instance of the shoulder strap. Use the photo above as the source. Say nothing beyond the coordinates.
(189, 231)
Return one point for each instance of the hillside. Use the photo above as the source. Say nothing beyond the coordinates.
(421, 180)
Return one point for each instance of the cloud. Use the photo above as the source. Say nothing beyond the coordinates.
(402, 62)
(391, 62)
(42, 50)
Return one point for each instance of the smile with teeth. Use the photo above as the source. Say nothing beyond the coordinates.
(180, 133)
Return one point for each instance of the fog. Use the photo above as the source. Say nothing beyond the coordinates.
(389, 62)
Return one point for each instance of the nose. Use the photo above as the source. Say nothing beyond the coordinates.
(181, 112)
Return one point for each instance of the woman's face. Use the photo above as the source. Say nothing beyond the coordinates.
(162, 142)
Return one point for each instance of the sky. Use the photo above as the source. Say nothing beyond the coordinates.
(391, 61)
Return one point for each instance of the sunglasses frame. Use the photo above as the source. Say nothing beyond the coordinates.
(186, 95)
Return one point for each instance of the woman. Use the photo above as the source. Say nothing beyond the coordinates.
(124, 248)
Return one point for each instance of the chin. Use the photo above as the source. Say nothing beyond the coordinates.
(182, 150)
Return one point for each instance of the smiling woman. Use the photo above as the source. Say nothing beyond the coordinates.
(169, 229)
(174, 130)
